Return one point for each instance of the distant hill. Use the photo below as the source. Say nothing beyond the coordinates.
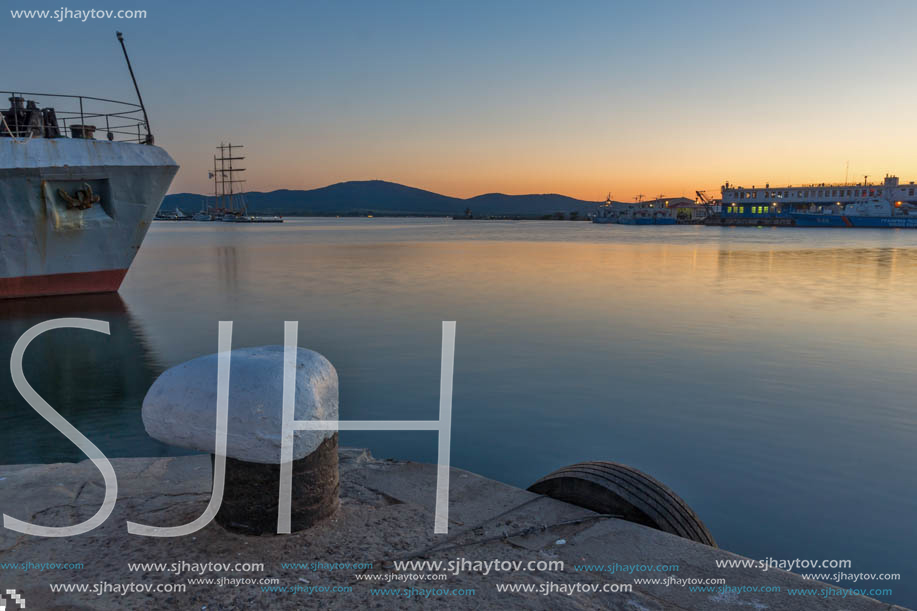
(528, 205)
(382, 198)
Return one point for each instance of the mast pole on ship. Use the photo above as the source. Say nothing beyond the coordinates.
(216, 197)
(231, 172)
(231, 205)
(146, 119)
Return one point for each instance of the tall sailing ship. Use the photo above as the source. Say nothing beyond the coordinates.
(228, 193)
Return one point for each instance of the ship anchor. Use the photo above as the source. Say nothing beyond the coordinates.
(82, 199)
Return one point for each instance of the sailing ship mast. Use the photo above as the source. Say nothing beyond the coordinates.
(225, 179)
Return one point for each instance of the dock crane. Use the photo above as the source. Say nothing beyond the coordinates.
(706, 201)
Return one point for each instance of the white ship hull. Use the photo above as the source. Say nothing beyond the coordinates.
(74, 212)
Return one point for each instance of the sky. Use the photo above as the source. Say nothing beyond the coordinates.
(463, 98)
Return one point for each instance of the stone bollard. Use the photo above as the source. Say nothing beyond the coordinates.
(180, 410)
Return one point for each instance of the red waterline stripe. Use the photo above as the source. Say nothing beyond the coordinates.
(62, 284)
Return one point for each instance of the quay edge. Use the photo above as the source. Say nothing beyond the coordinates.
(386, 513)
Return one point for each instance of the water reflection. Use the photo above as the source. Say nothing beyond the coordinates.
(831, 278)
(96, 381)
(227, 262)
(767, 376)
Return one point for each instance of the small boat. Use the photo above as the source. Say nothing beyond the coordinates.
(606, 214)
(203, 214)
(175, 215)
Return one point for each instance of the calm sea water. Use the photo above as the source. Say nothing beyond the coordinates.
(767, 375)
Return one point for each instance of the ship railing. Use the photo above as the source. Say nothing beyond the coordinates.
(820, 185)
(71, 116)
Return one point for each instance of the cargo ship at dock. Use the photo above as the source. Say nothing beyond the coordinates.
(889, 204)
(76, 209)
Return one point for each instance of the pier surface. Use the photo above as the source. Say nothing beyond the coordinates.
(386, 514)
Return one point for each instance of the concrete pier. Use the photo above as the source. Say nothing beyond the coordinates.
(386, 514)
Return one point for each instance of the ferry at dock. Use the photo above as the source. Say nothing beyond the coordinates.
(889, 204)
(655, 212)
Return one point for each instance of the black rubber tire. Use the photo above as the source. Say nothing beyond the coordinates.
(613, 488)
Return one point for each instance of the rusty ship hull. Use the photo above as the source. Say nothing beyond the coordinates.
(75, 212)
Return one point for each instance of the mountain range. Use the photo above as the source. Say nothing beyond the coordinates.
(379, 197)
